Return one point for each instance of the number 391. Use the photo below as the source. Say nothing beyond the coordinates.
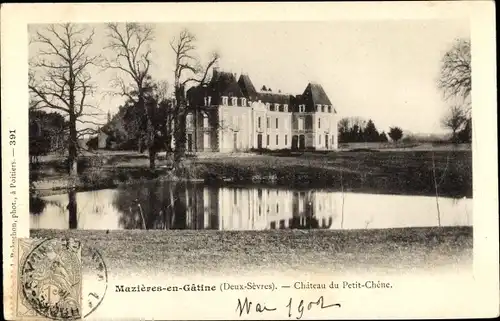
(12, 137)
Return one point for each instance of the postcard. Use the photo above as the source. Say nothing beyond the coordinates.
(195, 161)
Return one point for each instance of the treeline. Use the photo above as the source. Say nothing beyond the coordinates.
(355, 129)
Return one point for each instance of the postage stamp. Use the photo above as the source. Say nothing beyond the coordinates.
(49, 279)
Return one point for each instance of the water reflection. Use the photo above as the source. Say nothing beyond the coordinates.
(164, 205)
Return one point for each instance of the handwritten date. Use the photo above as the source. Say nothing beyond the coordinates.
(294, 310)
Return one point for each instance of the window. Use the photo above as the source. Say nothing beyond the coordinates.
(235, 196)
(329, 109)
(319, 122)
(205, 121)
(267, 105)
(277, 208)
(268, 124)
(267, 138)
(302, 108)
(277, 122)
(276, 107)
(277, 140)
(286, 139)
(319, 139)
(224, 101)
(258, 122)
(281, 109)
(323, 108)
(318, 108)
(205, 100)
(301, 123)
(189, 120)
(234, 101)
(209, 101)
(285, 107)
(243, 101)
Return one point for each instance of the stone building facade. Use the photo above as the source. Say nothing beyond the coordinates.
(231, 115)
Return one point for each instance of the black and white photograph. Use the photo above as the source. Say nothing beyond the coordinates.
(207, 149)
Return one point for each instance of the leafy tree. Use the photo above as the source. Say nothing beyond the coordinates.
(382, 137)
(395, 133)
(465, 135)
(370, 132)
(47, 133)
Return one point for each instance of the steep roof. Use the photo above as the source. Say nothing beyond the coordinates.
(270, 97)
(247, 87)
(225, 84)
(315, 94)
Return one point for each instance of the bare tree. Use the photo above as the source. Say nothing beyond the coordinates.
(188, 69)
(455, 119)
(455, 75)
(130, 43)
(60, 80)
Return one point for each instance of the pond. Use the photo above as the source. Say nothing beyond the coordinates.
(195, 206)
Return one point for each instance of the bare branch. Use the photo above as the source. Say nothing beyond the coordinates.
(455, 73)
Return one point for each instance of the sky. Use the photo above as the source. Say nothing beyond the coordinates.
(383, 70)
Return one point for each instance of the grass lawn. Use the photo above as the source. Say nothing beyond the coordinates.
(180, 252)
(385, 171)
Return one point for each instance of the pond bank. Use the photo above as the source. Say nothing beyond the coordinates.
(178, 252)
(385, 172)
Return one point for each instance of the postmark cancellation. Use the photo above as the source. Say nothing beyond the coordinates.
(48, 279)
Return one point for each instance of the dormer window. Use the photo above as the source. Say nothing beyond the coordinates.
(277, 106)
(323, 108)
(329, 109)
(224, 100)
(268, 106)
(205, 101)
(243, 101)
(209, 101)
(302, 108)
(234, 101)
(318, 108)
(249, 103)
(285, 107)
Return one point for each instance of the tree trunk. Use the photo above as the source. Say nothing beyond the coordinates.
(72, 148)
(180, 137)
(152, 158)
(73, 218)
